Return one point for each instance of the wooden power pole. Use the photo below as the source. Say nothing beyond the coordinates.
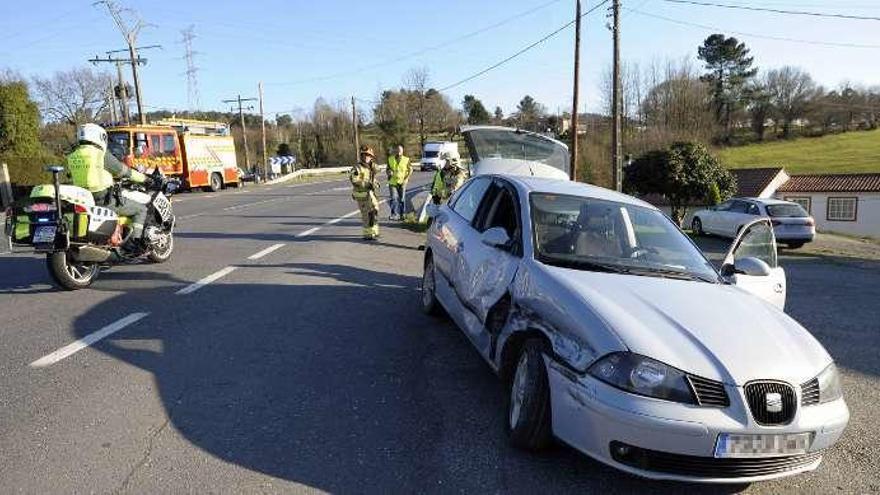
(239, 100)
(354, 125)
(263, 132)
(574, 99)
(617, 173)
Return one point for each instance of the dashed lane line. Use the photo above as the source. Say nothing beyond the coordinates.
(189, 289)
(78, 345)
(266, 251)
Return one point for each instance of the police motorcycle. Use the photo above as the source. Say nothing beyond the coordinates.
(79, 237)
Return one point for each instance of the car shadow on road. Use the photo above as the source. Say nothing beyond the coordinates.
(336, 381)
(24, 275)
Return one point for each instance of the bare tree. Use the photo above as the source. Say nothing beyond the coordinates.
(74, 96)
(416, 82)
(792, 90)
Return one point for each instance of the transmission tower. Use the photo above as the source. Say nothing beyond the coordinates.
(192, 83)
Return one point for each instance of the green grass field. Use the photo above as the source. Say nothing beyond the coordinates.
(840, 153)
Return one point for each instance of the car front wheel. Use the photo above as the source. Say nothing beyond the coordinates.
(430, 305)
(697, 227)
(528, 412)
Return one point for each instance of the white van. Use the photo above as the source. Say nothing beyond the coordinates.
(432, 151)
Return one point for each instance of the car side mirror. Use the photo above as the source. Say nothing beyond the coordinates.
(750, 266)
(497, 238)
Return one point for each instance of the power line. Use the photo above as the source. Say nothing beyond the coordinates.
(775, 11)
(753, 35)
(192, 83)
(520, 52)
(422, 50)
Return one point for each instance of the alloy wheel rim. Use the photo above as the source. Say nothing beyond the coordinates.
(518, 390)
(78, 271)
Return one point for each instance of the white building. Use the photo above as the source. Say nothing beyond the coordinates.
(843, 203)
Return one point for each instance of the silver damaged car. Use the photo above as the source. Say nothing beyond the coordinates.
(618, 337)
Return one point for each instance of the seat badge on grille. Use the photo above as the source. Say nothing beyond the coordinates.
(773, 402)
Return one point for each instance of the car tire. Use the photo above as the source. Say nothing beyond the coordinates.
(697, 227)
(430, 304)
(795, 245)
(216, 183)
(528, 407)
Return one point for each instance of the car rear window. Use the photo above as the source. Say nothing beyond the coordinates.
(788, 210)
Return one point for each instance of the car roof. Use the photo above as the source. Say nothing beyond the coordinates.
(558, 186)
(766, 201)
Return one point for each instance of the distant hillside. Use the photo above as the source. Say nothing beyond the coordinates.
(839, 153)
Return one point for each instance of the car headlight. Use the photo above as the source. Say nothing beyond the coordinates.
(829, 384)
(643, 376)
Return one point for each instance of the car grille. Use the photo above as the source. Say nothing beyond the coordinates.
(708, 467)
(708, 392)
(756, 396)
(810, 392)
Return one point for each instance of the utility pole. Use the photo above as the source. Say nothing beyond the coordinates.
(239, 100)
(617, 174)
(111, 102)
(123, 94)
(354, 124)
(130, 33)
(263, 131)
(574, 99)
(123, 90)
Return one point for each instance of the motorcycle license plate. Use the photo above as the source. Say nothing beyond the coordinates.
(44, 234)
(770, 445)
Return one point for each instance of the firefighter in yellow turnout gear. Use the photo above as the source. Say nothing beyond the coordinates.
(449, 178)
(365, 184)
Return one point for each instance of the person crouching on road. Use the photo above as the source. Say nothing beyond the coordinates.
(399, 171)
(448, 178)
(365, 183)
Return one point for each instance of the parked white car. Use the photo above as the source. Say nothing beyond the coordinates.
(506, 150)
(617, 336)
(792, 225)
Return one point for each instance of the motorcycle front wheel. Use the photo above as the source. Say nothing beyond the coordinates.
(161, 250)
(70, 274)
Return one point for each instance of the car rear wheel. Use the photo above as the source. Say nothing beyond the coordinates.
(795, 245)
(430, 305)
(697, 227)
(528, 411)
(216, 183)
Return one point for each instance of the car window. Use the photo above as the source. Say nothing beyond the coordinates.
(724, 206)
(792, 210)
(758, 243)
(469, 200)
(738, 207)
(574, 231)
(502, 212)
(169, 145)
(753, 209)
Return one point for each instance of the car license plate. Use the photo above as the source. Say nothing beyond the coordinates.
(740, 445)
(44, 234)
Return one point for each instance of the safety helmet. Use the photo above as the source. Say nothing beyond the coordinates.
(451, 158)
(92, 134)
(367, 150)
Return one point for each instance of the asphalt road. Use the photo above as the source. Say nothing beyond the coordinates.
(310, 368)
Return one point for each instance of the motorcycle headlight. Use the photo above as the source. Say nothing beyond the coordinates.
(643, 376)
(829, 384)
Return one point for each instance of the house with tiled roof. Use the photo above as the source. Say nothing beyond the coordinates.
(844, 203)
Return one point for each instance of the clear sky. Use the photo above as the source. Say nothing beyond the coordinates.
(337, 48)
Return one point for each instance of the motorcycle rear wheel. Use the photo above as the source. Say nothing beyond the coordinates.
(70, 274)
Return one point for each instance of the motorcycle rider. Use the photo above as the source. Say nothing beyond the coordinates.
(92, 168)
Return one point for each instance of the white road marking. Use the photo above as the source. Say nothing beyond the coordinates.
(78, 345)
(308, 232)
(266, 251)
(312, 230)
(189, 289)
(208, 196)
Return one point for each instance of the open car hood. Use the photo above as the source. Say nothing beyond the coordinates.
(505, 150)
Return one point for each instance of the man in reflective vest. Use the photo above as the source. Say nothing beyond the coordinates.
(365, 183)
(399, 170)
(92, 168)
(449, 178)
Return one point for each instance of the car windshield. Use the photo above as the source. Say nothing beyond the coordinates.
(599, 235)
(118, 144)
(519, 145)
(430, 154)
(790, 210)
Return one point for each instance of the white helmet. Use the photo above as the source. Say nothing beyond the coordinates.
(93, 134)
(451, 158)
